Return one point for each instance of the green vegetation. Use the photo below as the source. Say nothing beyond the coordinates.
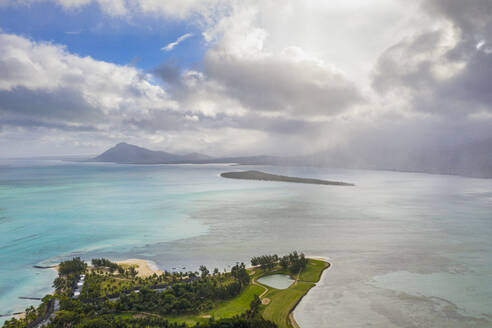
(172, 296)
(237, 305)
(283, 301)
(294, 262)
(75, 266)
(68, 275)
(262, 176)
(305, 272)
(313, 270)
(105, 263)
(113, 296)
(222, 310)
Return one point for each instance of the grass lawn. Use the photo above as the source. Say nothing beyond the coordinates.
(227, 309)
(282, 301)
(313, 270)
(238, 305)
(112, 285)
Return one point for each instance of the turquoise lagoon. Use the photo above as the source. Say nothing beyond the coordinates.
(406, 249)
(53, 212)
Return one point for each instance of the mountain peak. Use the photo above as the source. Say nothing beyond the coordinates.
(124, 144)
(130, 154)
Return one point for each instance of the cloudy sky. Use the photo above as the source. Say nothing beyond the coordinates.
(242, 77)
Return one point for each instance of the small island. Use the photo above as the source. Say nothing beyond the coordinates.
(130, 294)
(258, 175)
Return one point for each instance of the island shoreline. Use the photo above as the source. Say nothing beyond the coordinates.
(147, 268)
(262, 176)
(292, 320)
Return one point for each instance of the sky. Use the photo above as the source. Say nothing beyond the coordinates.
(230, 78)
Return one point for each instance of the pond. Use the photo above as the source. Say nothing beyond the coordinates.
(278, 281)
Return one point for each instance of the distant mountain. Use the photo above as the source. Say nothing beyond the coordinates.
(124, 153)
(473, 159)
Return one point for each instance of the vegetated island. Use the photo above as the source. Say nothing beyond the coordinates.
(127, 294)
(258, 175)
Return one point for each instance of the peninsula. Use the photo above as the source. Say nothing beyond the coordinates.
(258, 175)
(129, 294)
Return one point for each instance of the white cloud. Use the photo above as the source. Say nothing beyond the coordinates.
(348, 35)
(46, 67)
(274, 70)
(40, 81)
(170, 46)
(51, 100)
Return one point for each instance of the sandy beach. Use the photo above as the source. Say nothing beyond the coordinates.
(20, 316)
(143, 267)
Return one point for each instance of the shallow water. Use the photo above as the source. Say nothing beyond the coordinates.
(278, 281)
(407, 249)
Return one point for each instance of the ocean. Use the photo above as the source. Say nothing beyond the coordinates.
(407, 249)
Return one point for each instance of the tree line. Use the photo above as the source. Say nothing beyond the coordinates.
(294, 262)
(105, 263)
(68, 274)
(250, 319)
(180, 298)
(189, 294)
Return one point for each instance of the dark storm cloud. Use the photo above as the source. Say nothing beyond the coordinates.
(471, 89)
(30, 123)
(394, 69)
(169, 72)
(473, 17)
(415, 64)
(164, 120)
(278, 125)
(178, 121)
(444, 70)
(62, 104)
